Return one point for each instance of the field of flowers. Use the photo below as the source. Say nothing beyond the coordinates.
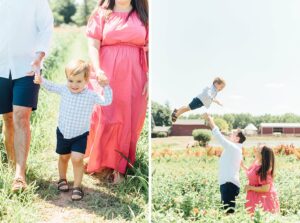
(185, 186)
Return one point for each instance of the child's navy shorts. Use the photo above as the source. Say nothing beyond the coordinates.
(66, 146)
(195, 103)
(21, 92)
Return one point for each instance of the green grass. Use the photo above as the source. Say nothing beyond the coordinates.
(42, 202)
(185, 189)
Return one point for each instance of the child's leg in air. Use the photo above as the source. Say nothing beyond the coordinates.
(182, 110)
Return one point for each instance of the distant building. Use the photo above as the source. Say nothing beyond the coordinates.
(185, 127)
(280, 128)
(250, 129)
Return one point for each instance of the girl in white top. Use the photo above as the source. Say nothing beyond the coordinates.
(207, 96)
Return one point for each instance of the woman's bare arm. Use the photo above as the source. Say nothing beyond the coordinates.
(260, 189)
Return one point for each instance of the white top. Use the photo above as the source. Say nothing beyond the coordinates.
(26, 28)
(207, 95)
(230, 161)
(76, 108)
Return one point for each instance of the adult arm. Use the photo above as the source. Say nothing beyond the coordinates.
(44, 26)
(216, 132)
(259, 189)
(106, 99)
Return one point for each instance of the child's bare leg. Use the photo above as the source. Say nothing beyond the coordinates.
(77, 161)
(182, 110)
(63, 165)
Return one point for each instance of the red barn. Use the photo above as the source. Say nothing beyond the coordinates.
(184, 127)
(280, 128)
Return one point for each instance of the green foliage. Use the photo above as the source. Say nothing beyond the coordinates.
(162, 134)
(161, 114)
(202, 136)
(222, 124)
(186, 189)
(83, 12)
(63, 11)
(243, 119)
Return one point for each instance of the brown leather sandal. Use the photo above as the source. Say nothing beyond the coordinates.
(77, 191)
(174, 117)
(18, 185)
(62, 185)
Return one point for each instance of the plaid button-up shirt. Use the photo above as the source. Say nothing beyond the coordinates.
(76, 108)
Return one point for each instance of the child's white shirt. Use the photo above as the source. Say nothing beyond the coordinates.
(207, 96)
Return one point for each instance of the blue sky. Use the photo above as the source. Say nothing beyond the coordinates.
(254, 45)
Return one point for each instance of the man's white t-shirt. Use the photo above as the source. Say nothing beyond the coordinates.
(229, 163)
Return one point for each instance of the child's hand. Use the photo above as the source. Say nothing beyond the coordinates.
(37, 76)
(37, 79)
(219, 103)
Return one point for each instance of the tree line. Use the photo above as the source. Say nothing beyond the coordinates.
(161, 116)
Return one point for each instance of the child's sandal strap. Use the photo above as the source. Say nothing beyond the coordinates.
(78, 192)
(61, 183)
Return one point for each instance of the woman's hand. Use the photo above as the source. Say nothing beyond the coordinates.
(102, 78)
(247, 188)
(146, 89)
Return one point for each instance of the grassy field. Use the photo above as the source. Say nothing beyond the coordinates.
(185, 186)
(42, 202)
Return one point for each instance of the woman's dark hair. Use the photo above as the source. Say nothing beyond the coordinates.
(139, 6)
(267, 163)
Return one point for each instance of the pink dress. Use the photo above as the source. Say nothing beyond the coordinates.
(115, 129)
(269, 200)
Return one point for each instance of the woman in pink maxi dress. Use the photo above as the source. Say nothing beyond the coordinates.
(261, 191)
(117, 35)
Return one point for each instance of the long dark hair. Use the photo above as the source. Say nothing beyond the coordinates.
(267, 163)
(141, 7)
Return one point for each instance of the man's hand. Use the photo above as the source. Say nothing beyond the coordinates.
(206, 116)
(209, 120)
(36, 64)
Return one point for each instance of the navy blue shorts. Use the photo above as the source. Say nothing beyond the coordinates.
(66, 146)
(21, 92)
(195, 103)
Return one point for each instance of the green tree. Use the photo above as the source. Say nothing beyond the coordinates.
(222, 124)
(63, 11)
(161, 114)
(84, 11)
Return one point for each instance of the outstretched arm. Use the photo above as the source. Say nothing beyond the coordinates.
(260, 189)
(216, 132)
(217, 102)
(48, 85)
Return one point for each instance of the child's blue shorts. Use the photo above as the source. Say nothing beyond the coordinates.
(66, 146)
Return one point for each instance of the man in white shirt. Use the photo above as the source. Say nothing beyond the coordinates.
(229, 164)
(26, 29)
